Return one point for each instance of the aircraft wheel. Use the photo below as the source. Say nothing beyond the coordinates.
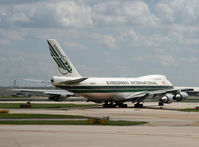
(109, 106)
(161, 104)
(125, 105)
(138, 105)
(114, 106)
(105, 105)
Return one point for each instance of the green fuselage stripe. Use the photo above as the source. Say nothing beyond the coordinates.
(113, 89)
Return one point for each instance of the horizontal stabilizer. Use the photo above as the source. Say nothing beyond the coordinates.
(67, 80)
(74, 81)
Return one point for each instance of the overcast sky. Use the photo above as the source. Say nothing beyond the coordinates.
(106, 38)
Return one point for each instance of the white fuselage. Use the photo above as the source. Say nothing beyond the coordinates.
(112, 89)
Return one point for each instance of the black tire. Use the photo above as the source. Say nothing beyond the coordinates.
(138, 105)
(105, 106)
(114, 106)
(125, 106)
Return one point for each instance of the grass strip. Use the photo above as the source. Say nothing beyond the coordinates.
(36, 105)
(39, 116)
(72, 122)
(190, 110)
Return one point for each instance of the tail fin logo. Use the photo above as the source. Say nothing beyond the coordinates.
(62, 62)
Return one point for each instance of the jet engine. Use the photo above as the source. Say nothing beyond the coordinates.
(167, 98)
(181, 96)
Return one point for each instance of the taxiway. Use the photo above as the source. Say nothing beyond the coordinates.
(165, 127)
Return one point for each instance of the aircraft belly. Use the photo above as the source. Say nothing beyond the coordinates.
(98, 96)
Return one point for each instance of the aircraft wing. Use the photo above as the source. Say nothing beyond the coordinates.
(194, 92)
(137, 97)
(55, 95)
(38, 81)
(46, 91)
(140, 97)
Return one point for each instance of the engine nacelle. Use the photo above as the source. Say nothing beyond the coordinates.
(181, 96)
(167, 98)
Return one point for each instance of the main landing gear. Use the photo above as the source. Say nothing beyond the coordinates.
(138, 105)
(161, 103)
(111, 105)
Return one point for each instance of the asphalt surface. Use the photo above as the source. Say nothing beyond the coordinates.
(165, 127)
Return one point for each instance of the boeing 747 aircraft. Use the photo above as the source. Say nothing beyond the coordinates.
(113, 92)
